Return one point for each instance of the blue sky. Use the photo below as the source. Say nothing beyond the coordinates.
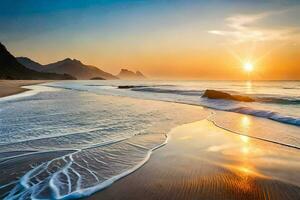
(21, 19)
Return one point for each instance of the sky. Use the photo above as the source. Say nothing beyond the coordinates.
(163, 39)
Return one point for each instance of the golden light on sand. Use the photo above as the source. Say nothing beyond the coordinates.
(248, 67)
(245, 150)
(245, 170)
(244, 138)
(245, 122)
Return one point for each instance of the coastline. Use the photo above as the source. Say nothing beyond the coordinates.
(202, 161)
(127, 154)
(11, 87)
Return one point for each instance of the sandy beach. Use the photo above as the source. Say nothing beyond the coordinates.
(150, 100)
(110, 147)
(202, 161)
(10, 87)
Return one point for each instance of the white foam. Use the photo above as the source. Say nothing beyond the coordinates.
(191, 96)
(89, 191)
(32, 90)
(31, 184)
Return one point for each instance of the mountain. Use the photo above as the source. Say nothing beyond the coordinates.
(127, 74)
(10, 68)
(77, 69)
(139, 74)
(30, 64)
(69, 66)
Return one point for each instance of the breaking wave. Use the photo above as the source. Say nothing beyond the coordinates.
(231, 106)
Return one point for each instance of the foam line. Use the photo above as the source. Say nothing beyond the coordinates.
(88, 191)
(250, 136)
(34, 182)
(211, 103)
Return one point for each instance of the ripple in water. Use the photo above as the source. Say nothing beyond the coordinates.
(70, 144)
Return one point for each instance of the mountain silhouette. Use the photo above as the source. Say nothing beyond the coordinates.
(10, 68)
(127, 74)
(30, 64)
(68, 66)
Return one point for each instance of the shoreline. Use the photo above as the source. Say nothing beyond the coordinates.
(217, 177)
(12, 87)
(198, 163)
(138, 145)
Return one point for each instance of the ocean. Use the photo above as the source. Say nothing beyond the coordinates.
(274, 99)
(84, 135)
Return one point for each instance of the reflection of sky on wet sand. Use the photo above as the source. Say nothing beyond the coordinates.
(245, 124)
(244, 156)
(258, 127)
(242, 151)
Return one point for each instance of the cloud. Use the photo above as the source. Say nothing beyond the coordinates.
(242, 28)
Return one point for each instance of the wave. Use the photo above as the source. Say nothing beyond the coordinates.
(226, 104)
(267, 114)
(28, 92)
(257, 98)
(286, 101)
(31, 90)
(188, 92)
(169, 91)
(219, 104)
(230, 106)
(83, 172)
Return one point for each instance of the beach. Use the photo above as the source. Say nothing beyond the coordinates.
(202, 161)
(10, 87)
(149, 100)
(88, 143)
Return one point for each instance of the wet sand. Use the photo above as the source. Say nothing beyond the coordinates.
(202, 161)
(10, 87)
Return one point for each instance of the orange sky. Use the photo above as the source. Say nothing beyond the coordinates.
(191, 40)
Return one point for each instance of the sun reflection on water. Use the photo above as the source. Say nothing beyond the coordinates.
(248, 87)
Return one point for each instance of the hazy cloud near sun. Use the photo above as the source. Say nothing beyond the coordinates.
(247, 28)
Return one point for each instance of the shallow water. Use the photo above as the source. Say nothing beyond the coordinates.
(69, 139)
(276, 100)
(202, 161)
(78, 142)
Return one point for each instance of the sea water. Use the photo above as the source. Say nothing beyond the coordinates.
(60, 144)
(276, 100)
(74, 138)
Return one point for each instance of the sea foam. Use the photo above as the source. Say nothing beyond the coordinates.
(81, 173)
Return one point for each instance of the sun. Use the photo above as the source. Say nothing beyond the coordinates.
(248, 67)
